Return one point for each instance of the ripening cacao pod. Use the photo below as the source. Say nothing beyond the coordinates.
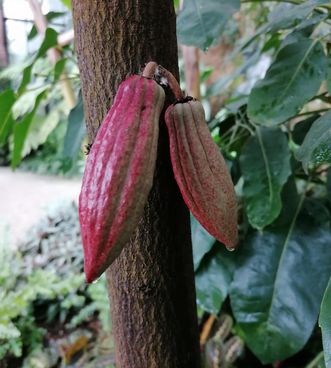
(201, 172)
(119, 173)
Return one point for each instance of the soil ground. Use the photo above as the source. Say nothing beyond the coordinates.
(25, 197)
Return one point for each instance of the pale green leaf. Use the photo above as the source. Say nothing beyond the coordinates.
(291, 81)
(202, 21)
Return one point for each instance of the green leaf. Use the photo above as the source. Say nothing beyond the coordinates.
(325, 324)
(302, 127)
(50, 40)
(316, 147)
(76, 131)
(7, 100)
(202, 242)
(25, 79)
(21, 130)
(202, 21)
(265, 166)
(286, 16)
(328, 81)
(278, 286)
(213, 278)
(66, 3)
(292, 80)
(59, 68)
(50, 16)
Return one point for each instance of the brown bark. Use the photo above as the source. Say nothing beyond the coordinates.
(151, 284)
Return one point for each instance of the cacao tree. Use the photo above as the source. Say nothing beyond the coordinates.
(151, 283)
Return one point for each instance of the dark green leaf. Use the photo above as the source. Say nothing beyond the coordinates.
(33, 33)
(76, 131)
(290, 200)
(265, 165)
(328, 81)
(59, 68)
(316, 147)
(292, 80)
(7, 100)
(21, 130)
(213, 278)
(26, 78)
(50, 40)
(279, 284)
(301, 128)
(202, 242)
(202, 21)
(325, 324)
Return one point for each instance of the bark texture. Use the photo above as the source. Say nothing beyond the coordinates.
(151, 284)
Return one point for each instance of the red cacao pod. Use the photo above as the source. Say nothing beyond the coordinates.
(119, 173)
(201, 172)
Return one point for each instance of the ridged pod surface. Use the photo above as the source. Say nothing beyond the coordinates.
(201, 172)
(119, 173)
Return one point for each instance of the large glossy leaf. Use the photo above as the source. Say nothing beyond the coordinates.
(325, 324)
(7, 100)
(76, 131)
(202, 241)
(316, 147)
(292, 80)
(202, 21)
(265, 166)
(279, 284)
(214, 277)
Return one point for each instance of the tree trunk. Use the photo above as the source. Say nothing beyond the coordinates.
(151, 284)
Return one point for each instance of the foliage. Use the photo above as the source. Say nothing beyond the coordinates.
(35, 108)
(275, 131)
(43, 285)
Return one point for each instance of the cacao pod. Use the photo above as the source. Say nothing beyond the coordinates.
(201, 172)
(119, 173)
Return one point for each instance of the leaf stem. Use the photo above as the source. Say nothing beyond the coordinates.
(171, 81)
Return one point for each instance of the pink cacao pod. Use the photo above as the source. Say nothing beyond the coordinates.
(119, 173)
(201, 172)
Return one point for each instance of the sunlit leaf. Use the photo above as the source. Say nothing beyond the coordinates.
(21, 130)
(7, 100)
